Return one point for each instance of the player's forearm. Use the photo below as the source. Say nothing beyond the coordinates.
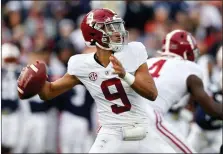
(46, 92)
(147, 89)
(215, 110)
(196, 88)
(53, 89)
(50, 90)
(211, 108)
(219, 110)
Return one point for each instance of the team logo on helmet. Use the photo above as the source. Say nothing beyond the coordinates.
(93, 76)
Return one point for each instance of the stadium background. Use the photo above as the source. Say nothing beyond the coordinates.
(47, 30)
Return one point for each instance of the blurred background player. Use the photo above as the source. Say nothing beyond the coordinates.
(75, 127)
(78, 43)
(176, 68)
(33, 133)
(179, 115)
(205, 128)
(10, 102)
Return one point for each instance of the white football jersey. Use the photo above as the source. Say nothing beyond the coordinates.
(170, 76)
(117, 103)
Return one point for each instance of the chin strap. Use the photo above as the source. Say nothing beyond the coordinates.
(116, 47)
(102, 46)
(112, 47)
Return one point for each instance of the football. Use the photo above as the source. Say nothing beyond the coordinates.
(31, 80)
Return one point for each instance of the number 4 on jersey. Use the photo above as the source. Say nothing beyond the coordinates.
(156, 67)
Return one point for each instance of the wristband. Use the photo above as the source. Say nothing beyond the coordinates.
(129, 78)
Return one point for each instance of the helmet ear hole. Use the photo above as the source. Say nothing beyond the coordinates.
(189, 54)
(92, 34)
(93, 43)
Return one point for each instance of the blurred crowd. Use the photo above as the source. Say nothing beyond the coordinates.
(33, 25)
(50, 31)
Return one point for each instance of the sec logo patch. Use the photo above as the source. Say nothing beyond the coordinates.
(93, 76)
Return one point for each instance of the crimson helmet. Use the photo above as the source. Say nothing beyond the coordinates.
(180, 43)
(97, 27)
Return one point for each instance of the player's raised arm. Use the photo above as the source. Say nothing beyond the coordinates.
(53, 89)
(195, 87)
(32, 81)
(142, 82)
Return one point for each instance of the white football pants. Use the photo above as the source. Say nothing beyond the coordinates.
(33, 134)
(183, 126)
(10, 129)
(109, 140)
(52, 130)
(205, 141)
(170, 134)
(74, 133)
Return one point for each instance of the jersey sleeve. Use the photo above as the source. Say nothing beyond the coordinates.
(139, 52)
(73, 67)
(196, 70)
(142, 54)
(190, 68)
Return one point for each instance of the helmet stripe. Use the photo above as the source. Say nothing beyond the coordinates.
(168, 37)
(189, 39)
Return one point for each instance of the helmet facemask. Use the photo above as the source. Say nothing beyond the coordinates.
(109, 30)
(196, 52)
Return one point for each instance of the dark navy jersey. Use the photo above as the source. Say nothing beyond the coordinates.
(9, 100)
(221, 149)
(77, 101)
(37, 105)
(204, 120)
